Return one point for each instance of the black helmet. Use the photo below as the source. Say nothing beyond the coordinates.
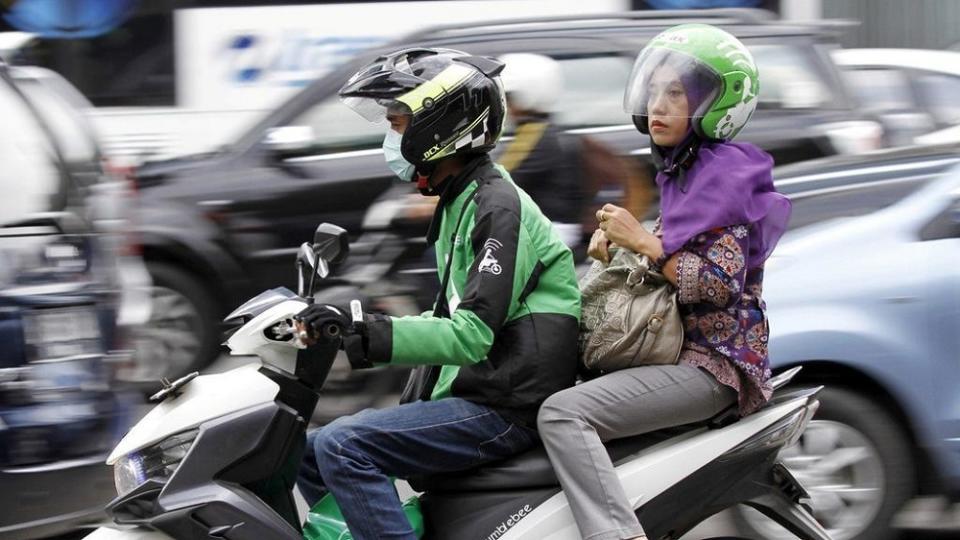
(455, 100)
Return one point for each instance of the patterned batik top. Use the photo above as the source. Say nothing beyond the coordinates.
(725, 326)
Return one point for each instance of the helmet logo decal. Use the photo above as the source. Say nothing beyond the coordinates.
(490, 264)
(431, 151)
(675, 37)
(472, 136)
(738, 115)
(737, 53)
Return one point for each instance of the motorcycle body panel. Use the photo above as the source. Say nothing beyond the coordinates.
(205, 398)
(326, 522)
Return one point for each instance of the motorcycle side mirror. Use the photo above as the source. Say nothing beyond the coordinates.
(306, 261)
(331, 243)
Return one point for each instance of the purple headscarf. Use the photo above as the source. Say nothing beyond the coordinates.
(728, 184)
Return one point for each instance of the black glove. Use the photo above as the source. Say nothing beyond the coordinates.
(325, 322)
(320, 318)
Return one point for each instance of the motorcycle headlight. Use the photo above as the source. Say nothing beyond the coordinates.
(159, 461)
(128, 473)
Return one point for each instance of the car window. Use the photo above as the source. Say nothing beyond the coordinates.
(940, 93)
(29, 177)
(790, 78)
(880, 89)
(337, 128)
(593, 91)
(67, 124)
(592, 96)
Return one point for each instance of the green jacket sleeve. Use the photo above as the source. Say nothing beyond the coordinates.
(503, 262)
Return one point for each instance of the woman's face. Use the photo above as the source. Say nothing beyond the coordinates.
(668, 113)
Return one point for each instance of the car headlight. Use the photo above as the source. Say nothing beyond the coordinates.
(159, 462)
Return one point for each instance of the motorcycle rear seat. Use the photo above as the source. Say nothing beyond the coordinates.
(532, 468)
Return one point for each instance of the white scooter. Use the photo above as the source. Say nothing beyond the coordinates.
(218, 457)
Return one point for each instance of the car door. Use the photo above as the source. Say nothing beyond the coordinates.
(940, 241)
(938, 93)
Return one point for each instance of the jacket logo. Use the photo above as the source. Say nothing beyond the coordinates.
(490, 264)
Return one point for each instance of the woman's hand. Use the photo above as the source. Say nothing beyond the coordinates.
(621, 228)
(599, 247)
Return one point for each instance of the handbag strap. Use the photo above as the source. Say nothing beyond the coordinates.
(442, 306)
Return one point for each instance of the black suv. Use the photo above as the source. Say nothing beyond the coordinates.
(218, 227)
(59, 297)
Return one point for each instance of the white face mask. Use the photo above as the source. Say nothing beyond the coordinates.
(391, 152)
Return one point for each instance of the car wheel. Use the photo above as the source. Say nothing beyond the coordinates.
(181, 335)
(854, 461)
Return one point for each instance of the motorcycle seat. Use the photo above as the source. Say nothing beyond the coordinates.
(530, 469)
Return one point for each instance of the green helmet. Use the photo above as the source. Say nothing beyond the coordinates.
(717, 72)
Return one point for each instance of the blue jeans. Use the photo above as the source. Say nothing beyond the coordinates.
(354, 457)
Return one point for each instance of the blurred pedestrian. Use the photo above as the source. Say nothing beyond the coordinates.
(692, 90)
(539, 160)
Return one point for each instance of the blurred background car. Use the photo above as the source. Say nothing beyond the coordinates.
(60, 293)
(216, 227)
(864, 293)
(913, 91)
(174, 77)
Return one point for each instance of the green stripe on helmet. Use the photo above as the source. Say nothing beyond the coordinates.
(444, 82)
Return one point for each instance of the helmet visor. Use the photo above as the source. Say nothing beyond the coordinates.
(372, 109)
(412, 79)
(668, 84)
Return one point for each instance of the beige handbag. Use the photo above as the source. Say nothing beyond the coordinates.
(630, 316)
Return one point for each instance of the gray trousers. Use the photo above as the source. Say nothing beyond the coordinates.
(573, 424)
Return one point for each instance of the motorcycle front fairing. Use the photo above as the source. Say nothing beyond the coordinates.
(258, 304)
(225, 449)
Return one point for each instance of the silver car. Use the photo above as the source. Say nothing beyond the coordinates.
(864, 292)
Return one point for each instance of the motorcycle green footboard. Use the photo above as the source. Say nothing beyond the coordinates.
(325, 522)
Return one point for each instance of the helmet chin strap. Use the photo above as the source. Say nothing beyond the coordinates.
(681, 156)
(423, 181)
(423, 185)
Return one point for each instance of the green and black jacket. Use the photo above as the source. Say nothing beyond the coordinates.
(510, 340)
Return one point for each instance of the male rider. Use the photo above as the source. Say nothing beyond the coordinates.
(503, 333)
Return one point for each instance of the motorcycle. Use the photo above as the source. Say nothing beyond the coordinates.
(218, 456)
